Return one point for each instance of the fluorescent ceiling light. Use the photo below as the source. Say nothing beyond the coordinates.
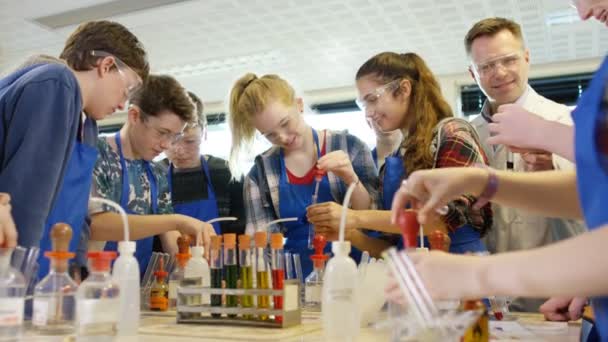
(271, 57)
(100, 11)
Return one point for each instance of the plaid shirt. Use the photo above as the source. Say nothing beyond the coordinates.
(459, 146)
(261, 186)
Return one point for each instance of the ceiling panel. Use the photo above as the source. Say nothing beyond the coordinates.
(317, 44)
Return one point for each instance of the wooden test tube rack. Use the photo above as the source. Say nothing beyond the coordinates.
(201, 313)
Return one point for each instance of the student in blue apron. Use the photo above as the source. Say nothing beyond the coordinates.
(282, 181)
(49, 111)
(398, 91)
(201, 185)
(125, 174)
(575, 267)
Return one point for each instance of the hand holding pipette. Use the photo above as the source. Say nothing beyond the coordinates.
(319, 174)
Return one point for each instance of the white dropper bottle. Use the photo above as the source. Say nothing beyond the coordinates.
(126, 273)
(340, 302)
(197, 270)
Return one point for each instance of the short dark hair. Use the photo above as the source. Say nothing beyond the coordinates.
(491, 27)
(201, 118)
(106, 36)
(163, 92)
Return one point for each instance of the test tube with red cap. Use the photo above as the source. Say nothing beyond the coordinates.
(278, 270)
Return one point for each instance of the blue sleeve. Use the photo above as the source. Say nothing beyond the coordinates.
(40, 122)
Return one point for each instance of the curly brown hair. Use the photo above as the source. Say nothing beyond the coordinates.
(427, 106)
(107, 36)
(163, 92)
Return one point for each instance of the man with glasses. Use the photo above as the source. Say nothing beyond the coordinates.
(500, 64)
(125, 174)
(202, 186)
(48, 111)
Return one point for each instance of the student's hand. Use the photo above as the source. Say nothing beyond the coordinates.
(445, 276)
(563, 309)
(339, 163)
(429, 191)
(200, 231)
(329, 214)
(537, 161)
(8, 231)
(516, 127)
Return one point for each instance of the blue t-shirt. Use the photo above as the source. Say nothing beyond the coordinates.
(40, 108)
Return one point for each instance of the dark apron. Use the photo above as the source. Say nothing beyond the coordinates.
(202, 209)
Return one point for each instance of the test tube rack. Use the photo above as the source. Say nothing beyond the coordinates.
(201, 313)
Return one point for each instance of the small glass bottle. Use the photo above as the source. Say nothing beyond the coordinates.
(261, 271)
(54, 296)
(159, 293)
(177, 276)
(278, 271)
(216, 271)
(313, 285)
(12, 295)
(231, 270)
(246, 271)
(98, 301)
(480, 330)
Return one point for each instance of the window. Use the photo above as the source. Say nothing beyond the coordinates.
(561, 89)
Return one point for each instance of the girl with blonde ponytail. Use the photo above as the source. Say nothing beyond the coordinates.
(281, 182)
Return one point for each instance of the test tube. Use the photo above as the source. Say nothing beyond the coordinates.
(231, 271)
(216, 270)
(278, 271)
(246, 271)
(261, 268)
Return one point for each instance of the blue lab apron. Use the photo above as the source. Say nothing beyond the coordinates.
(591, 170)
(293, 201)
(202, 209)
(143, 249)
(464, 239)
(71, 204)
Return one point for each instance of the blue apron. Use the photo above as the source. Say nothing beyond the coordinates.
(293, 201)
(71, 204)
(465, 239)
(202, 209)
(591, 170)
(143, 249)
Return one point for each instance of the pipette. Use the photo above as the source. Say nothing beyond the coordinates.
(319, 174)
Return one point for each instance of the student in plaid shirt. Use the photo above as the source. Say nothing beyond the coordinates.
(281, 182)
(398, 91)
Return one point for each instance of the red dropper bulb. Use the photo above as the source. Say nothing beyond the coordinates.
(319, 242)
(409, 225)
(440, 241)
(319, 174)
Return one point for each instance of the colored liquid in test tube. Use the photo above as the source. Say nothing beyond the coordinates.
(319, 174)
(278, 271)
(261, 268)
(215, 256)
(231, 270)
(246, 271)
